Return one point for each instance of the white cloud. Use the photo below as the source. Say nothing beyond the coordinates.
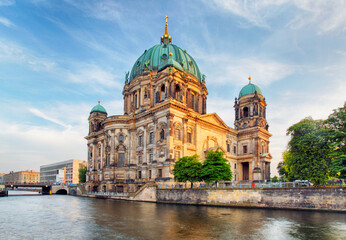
(323, 15)
(236, 71)
(25, 146)
(11, 52)
(94, 78)
(104, 10)
(326, 15)
(6, 22)
(7, 2)
(40, 114)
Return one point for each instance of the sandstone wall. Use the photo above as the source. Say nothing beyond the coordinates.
(283, 198)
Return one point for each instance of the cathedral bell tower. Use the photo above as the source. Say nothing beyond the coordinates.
(250, 108)
(253, 135)
(97, 115)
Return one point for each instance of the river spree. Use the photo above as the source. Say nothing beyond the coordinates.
(68, 217)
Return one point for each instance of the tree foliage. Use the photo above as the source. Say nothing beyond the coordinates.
(215, 167)
(307, 156)
(336, 122)
(281, 167)
(188, 169)
(82, 174)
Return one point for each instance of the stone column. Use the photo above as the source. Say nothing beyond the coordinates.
(101, 155)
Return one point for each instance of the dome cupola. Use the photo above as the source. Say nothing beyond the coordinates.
(165, 55)
(98, 108)
(250, 89)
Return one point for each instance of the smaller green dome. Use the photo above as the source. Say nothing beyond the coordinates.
(249, 89)
(98, 108)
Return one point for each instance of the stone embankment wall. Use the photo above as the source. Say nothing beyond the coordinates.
(332, 199)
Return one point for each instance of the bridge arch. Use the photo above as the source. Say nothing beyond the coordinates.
(61, 192)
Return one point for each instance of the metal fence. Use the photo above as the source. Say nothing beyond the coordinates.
(111, 194)
(228, 185)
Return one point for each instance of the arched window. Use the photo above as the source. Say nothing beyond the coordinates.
(245, 111)
(162, 134)
(157, 97)
(177, 92)
(163, 92)
(177, 133)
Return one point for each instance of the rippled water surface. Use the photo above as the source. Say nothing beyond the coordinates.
(68, 217)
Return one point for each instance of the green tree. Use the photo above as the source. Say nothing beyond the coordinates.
(275, 179)
(215, 167)
(282, 168)
(336, 122)
(82, 174)
(188, 169)
(307, 156)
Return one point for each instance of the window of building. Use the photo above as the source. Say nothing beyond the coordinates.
(235, 166)
(151, 157)
(193, 102)
(151, 137)
(228, 147)
(159, 173)
(235, 177)
(245, 111)
(139, 159)
(177, 92)
(99, 151)
(189, 137)
(109, 159)
(149, 174)
(139, 174)
(177, 133)
(235, 150)
(140, 141)
(162, 134)
(121, 159)
(136, 103)
(121, 138)
(163, 92)
(244, 149)
(177, 155)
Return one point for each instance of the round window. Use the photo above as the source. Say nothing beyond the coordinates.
(121, 138)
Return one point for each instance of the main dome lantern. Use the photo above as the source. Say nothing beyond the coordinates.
(165, 55)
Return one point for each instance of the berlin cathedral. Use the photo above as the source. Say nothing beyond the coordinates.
(165, 118)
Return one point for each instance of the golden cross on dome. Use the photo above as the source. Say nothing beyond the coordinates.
(166, 18)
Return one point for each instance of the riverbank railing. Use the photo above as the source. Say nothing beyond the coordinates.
(110, 194)
(230, 185)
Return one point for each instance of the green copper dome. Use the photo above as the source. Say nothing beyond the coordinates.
(249, 89)
(166, 55)
(98, 108)
(158, 58)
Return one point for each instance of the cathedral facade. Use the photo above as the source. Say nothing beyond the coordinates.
(165, 118)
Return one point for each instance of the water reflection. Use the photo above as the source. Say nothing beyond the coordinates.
(61, 217)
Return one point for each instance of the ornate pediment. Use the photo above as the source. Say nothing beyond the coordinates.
(214, 119)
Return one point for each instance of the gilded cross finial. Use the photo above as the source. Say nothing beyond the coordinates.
(166, 39)
(249, 79)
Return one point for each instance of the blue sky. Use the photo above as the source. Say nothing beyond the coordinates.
(58, 58)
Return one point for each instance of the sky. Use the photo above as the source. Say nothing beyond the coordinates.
(58, 58)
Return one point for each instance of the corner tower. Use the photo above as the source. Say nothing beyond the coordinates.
(97, 115)
(253, 135)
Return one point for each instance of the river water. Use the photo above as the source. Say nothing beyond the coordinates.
(69, 217)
